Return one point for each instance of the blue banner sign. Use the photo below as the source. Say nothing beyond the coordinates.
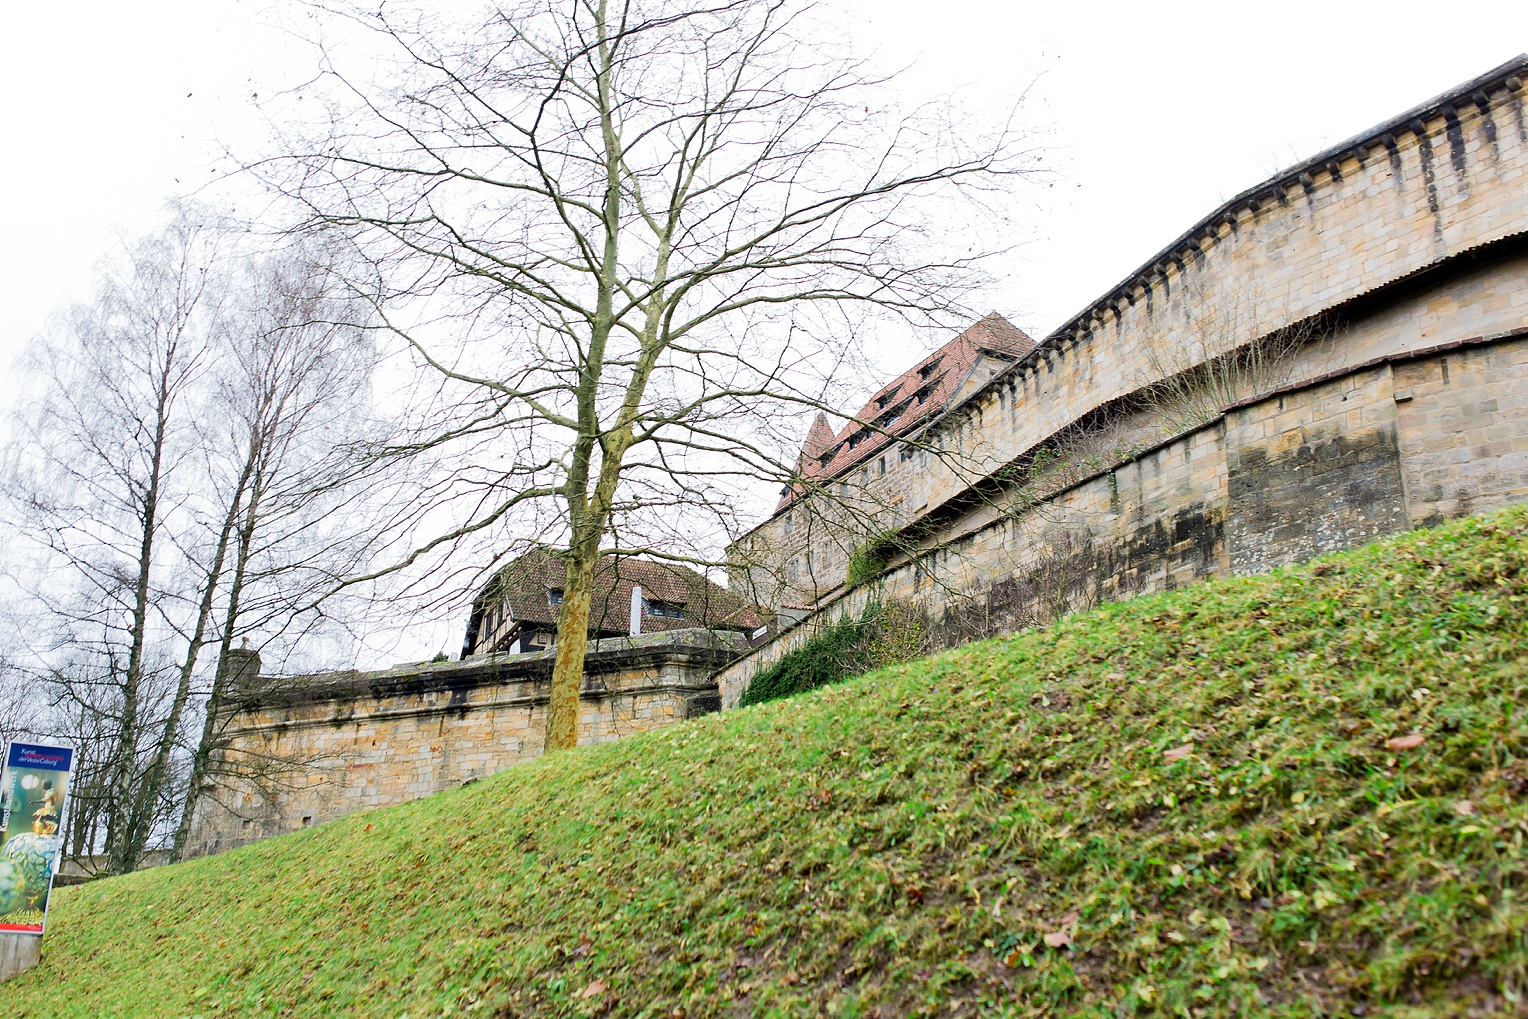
(33, 787)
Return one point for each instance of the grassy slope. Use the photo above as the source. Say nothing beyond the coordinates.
(906, 840)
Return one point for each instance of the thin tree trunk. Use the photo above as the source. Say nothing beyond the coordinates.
(149, 789)
(572, 644)
(117, 837)
(203, 755)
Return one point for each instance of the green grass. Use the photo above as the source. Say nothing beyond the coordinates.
(903, 843)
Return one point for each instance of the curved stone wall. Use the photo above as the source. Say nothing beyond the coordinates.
(1403, 250)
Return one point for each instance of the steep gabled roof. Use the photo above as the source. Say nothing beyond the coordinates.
(906, 402)
(523, 586)
(818, 438)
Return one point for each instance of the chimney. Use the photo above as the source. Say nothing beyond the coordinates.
(636, 610)
(241, 669)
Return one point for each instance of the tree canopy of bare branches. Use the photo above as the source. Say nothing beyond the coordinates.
(172, 482)
(629, 241)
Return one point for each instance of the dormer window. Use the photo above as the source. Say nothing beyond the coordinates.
(923, 394)
(663, 609)
(929, 369)
(885, 398)
(858, 437)
(890, 416)
(554, 596)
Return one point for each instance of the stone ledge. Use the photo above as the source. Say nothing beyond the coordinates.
(700, 647)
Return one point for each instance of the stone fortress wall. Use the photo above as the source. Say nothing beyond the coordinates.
(326, 746)
(1405, 250)
(1402, 251)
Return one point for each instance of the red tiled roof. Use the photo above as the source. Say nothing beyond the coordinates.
(906, 402)
(818, 439)
(522, 587)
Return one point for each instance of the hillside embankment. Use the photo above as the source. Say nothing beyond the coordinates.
(1296, 794)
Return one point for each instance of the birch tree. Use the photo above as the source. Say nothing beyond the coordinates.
(625, 237)
(99, 455)
(174, 478)
(295, 397)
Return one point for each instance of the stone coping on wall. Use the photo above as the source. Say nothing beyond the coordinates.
(1079, 329)
(981, 488)
(1477, 91)
(693, 647)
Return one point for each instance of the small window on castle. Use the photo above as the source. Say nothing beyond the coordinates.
(554, 596)
(664, 609)
(307, 821)
(883, 467)
(929, 369)
(858, 437)
(905, 454)
(245, 824)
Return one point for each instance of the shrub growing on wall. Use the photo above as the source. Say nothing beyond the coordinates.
(884, 635)
(870, 559)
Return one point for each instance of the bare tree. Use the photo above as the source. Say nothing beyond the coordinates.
(97, 462)
(175, 476)
(627, 237)
(295, 395)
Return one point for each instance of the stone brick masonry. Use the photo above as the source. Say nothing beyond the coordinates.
(320, 747)
(1404, 251)
(1387, 248)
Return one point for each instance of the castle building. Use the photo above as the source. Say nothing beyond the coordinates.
(1337, 353)
(858, 474)
(516, 611)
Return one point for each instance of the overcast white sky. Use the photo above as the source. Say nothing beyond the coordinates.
(1156, 113)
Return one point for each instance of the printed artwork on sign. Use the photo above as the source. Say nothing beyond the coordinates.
(32, 791)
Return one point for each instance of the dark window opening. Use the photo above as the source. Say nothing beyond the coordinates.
(858, 437)
(883, 466)
(554, 596)
(923, 394)
(664, 609)
(905, 454)
(886, 397)
(306, 821)
(929, 368)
